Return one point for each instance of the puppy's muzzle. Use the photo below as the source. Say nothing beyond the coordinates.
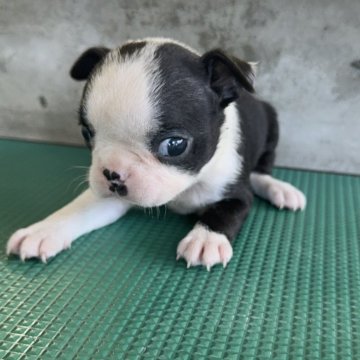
(116, 183)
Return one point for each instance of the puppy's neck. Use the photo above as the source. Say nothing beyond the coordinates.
(221, 171)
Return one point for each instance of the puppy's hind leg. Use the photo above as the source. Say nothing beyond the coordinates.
(279, 193)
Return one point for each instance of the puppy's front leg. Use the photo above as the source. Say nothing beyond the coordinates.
(55, 233)
(209, 241)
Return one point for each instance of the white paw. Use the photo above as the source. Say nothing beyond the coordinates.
(204, 247)
(41, 240)
(279, 193)
(284, 195)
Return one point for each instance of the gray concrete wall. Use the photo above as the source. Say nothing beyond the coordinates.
(305, 49)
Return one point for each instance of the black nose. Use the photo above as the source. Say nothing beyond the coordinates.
(119, 188)
(111, 175)
(116, 183)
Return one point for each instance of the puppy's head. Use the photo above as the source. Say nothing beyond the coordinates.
(151, 112)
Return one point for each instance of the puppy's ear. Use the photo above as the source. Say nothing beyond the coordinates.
(226, 74)
(86, 62)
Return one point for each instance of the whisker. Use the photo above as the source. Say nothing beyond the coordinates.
(75, 167)
(80, 184)
(158, 212)
(77, 178)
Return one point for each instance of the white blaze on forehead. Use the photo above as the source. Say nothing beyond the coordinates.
(121, 100)
(161, 41)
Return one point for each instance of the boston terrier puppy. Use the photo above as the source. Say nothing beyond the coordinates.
(168, 126)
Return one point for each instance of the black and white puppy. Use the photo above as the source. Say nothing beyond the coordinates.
(167, 125)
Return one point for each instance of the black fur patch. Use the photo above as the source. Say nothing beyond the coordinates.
(87, 61)
(130, 49)
(194, 94)
(188, 107)
(227, 74)
(227, 216)
(260, 132)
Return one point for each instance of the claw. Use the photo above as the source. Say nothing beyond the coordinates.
(43, 258)
(204, 247)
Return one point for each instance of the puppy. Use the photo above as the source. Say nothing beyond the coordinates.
(167, 125)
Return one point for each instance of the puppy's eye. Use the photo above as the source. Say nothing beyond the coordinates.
(173, 146)
(87, 134)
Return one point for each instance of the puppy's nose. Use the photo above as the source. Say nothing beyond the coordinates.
(116, 183)
(121, 189)
(111, 175)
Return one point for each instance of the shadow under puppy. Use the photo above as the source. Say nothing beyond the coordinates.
(168, 126)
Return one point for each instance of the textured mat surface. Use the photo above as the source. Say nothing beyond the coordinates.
(291, 291)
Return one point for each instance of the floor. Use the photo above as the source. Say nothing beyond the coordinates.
(291, 291)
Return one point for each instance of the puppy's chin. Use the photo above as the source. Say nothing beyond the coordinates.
(145, 186)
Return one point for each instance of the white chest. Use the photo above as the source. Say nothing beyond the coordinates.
(221, 171)
(196, 198)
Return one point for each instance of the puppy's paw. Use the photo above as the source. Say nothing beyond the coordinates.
(279, 193)
(285, 195)
(204, 247)
(41, 240)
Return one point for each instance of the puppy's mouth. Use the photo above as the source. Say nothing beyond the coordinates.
(138, 198)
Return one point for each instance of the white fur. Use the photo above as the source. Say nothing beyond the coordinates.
(48, 237)
(279, 193)
(204, 247)
(222, 169)
(122, 97)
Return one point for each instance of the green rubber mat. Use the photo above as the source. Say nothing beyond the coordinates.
(291, 291)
